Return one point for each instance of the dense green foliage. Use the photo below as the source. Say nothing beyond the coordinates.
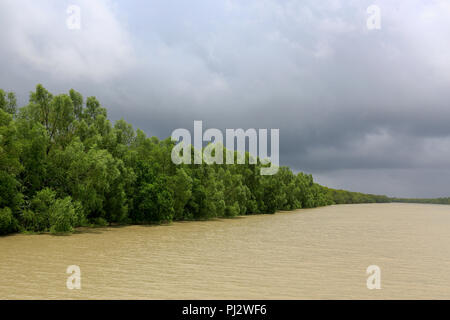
(63, 164)
(343, 196)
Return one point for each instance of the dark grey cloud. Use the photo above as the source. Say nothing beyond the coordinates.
(364, 110)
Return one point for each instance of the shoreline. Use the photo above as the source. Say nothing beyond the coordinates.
(91, 229)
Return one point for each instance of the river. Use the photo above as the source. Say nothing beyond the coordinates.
(320, 253)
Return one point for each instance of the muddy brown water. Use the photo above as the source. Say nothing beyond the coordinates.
(320, 253)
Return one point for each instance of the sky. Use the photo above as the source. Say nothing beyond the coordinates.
(361, 109)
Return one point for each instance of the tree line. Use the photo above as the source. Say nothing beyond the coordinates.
(444, 200)
(63, 164)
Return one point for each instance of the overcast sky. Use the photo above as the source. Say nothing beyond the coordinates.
(364, 110)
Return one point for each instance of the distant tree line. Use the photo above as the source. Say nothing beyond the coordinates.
(63, 164)
(343, 197)
(423, 200)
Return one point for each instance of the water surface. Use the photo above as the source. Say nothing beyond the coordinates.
(304, 254)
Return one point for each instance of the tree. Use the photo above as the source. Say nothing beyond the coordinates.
(8, 102)
(10, 166)
(62, 162)
(8, 223)
(181, 185)
(48, 213)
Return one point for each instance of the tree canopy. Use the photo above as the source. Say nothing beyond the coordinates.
(63, 164)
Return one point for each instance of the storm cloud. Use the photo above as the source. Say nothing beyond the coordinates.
(365, 110)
